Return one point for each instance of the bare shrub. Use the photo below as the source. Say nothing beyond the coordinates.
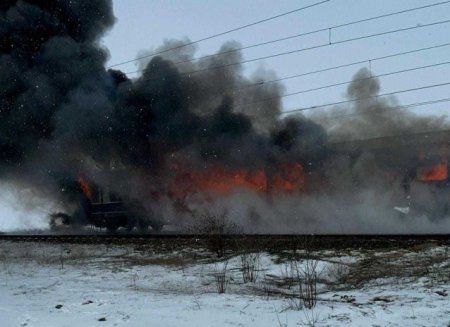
(288, 274)
(64, 255)
(338, 273)
(305, 276)
(282, 324)
(197, 303)
(311, 318)
(250, 264)
(307, 281)
(5, 260)
(221, 276)
(267, 287)
(134, 277)
(215, 227)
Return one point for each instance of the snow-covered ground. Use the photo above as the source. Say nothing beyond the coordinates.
(125, 285)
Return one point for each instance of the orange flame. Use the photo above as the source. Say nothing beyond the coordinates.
(289, 179)
(85, 187)
(220, 180)
(434, 173)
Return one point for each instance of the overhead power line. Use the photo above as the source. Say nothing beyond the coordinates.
(222, 33)
(393, 136)
(304, 34)
(342, 83)
(365, 98)
(300, 50)
(407, 106)
(343, 66)
(397, 54)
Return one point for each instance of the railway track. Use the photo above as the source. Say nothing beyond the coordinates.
(271, 241)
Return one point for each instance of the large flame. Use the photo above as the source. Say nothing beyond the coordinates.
(221, 180)
(85, 187)
(434, 173)
(289, 178)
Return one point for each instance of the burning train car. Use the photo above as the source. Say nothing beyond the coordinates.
(99, 207)
(420, 161)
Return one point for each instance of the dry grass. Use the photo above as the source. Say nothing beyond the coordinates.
(419, 261)
(408, 263)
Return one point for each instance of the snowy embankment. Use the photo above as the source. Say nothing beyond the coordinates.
(121, 285)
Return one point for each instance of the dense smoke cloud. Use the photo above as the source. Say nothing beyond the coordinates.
(372, 116)
(49, 58)
(63, 115)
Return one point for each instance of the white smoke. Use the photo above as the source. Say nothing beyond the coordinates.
(21, 209)
(368, 211)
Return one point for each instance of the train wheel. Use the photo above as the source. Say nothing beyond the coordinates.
(111, 228)
(142, 225)
(156, 226)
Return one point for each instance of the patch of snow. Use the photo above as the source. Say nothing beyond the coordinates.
(100, 286)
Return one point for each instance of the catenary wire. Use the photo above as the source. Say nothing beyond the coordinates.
(303, 34)
(395, 108)
(343, 66)
(342, 83)
(294, 51)
(393, 136)
(365, 98)
(222, 33)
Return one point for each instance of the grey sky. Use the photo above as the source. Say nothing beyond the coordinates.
(143, 25)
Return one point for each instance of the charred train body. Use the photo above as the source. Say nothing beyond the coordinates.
(103, 209)
(420, 161)
(409, 164)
